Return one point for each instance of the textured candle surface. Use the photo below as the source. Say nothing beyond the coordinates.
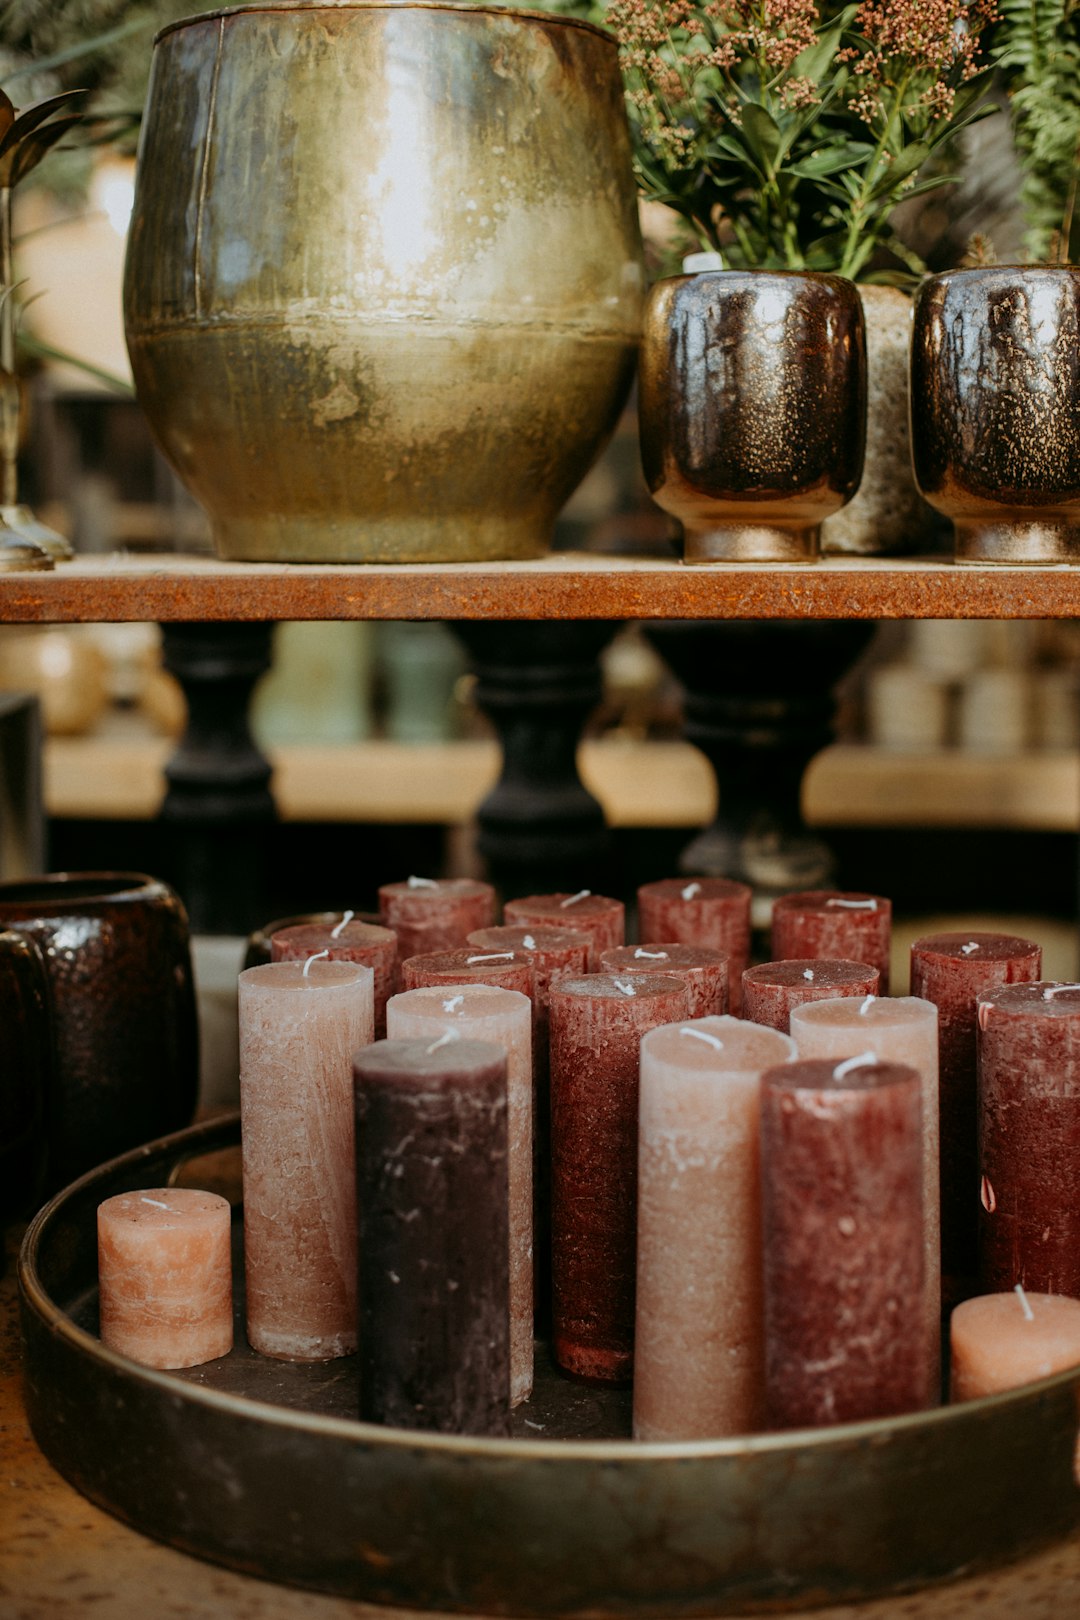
(603, 919)
(705, 971)
(597, 1023)
(434, 1241)
(835, 924)
(1029, 1138)
(435, 914)
(996, 1343)
(479, 1012)
(298, 1033)
(773, 989)
(714, 912)
(510, 970)
(352, 941)
(844, 1246)
(165, 1276)
(698, 1348)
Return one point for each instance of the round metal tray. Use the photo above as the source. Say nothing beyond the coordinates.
(264, 1467)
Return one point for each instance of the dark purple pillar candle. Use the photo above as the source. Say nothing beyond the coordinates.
(509, 970)
(773, 989)
(705, 971)
(714, 912)
(603, 919)
(435, 914)
(951, 970)
(1029, 1138)
(835, 926)
(343, 941)
(433, 1235)
(841, 1165)
(596, 1027)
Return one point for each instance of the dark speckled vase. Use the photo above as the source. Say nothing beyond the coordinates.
(25, 1073)
(995, 410)
(753, 408)
(118, 968)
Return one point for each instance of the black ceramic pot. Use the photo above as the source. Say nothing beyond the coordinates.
(117, 960)
(995, 410)
(25, 1073)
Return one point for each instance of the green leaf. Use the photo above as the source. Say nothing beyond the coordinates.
(33, 116)
(85, 47)
(817, 57)
(905, 163)
(762, 135)
(18, 163)
(829, 159)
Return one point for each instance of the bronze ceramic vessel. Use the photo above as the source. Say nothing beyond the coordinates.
(384, 277)
(753, 408)
(995, 410)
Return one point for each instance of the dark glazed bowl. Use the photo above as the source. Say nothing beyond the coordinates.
(117, 961)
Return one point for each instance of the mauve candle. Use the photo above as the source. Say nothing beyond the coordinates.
(481, 1012)
(705, 971)
(1029, 1138)
(165, 1276)
(435, 914)
(834, 925)
(951, 970)
(345, 941)
(603, 919)
(299, 1027)
(597, 1023)
(844, 1245)
(698, 1342)
(773, 989)
(434, 1244)
(714, 912)
(1000, 1341)
(510, 970)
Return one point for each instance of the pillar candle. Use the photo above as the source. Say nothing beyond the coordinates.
(705, 971)
(999, 1341)
(434, 1243)
(773, 989)
(299, 1027)
(165, 1276)
(901, 1029)
(841, 1157)
(553, 952)
(839, 926)
(345, 940)
(603, 919)
(1029, 1138)
(435, 914)
(698, 1345)
(597, 1023)
(511, 970)
(714, 912)
(483, 1012)
(951, 970)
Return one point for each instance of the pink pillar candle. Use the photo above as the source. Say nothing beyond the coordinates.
(480, 1012)
(773, 989)
(698, 1344)
(1000, 1341)
(900, 1029)
(299, 1028)
(435, 914)
(1029, 1138)
(841, 1158)
(597, 1023)
(713, 912)
(510, 970)
(603, 919)
(165, 1276)
(834, 925)
(345, 940)
(952, 970)
(705, 971)
(553, 952)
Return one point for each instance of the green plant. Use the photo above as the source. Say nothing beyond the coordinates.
(1040, 42)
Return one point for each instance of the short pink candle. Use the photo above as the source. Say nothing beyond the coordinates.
(773, 989)
(698, 1347)
(299, 1028)
(510, 970)
(714, 912)
(345, 941)
(841, 1157)
(435, 914)
(552, 952)
(480, 1012)
(165, 1276)
(834, 925)
(603, 919)
(705, 971)
(1000, 1341)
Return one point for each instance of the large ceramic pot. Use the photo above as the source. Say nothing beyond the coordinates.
(995, 410)
(753, 408)
(384, 279)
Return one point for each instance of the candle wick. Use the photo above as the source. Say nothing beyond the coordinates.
(446, 1039)
(808, 975)
(422, 883)
(453, 1004)
(528, 943)
(316, 958)
(867, 1004)
(850, 1063)
(156, 1203)
(691, 890)
(854, 905)
(625, 986)
(335, 933)
(572, 899)
(703, 1035)
(1022, 1297)
(972, 945)
(494, 956)
(1056, 989)
(650, 956)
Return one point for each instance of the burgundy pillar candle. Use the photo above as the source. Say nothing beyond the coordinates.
(603, 919)
(553, 953)
(705, 971)
(344, 940)
(714, 912)
(596, 1027)
(435, 914)
(773, 989)
(433, 1235)
(510, 970)
(841, 1192)
(836, 926)
(1029, 1138)
(952, 970)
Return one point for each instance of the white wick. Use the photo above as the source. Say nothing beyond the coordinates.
(453, 1004)
(572, 899)
(859, 1062)
(625, 986)
(528, 943)
(854, 905)
(316, 958)
(494, 956)
(422, 883)
(1025, 1307)
(446, 1039)
(650, 956)
(691, 890)
(972, 945)
(156, 1203)
(343, 924)
(808, 975)
(867, 1004)
(1056, 989)
(703, 1035)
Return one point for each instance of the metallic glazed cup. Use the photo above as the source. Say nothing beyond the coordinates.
(995, 410)
(384, 277)
(753, 408)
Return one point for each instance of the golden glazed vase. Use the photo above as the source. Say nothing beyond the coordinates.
(384, 279)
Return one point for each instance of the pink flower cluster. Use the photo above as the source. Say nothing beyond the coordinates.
(928, 46)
